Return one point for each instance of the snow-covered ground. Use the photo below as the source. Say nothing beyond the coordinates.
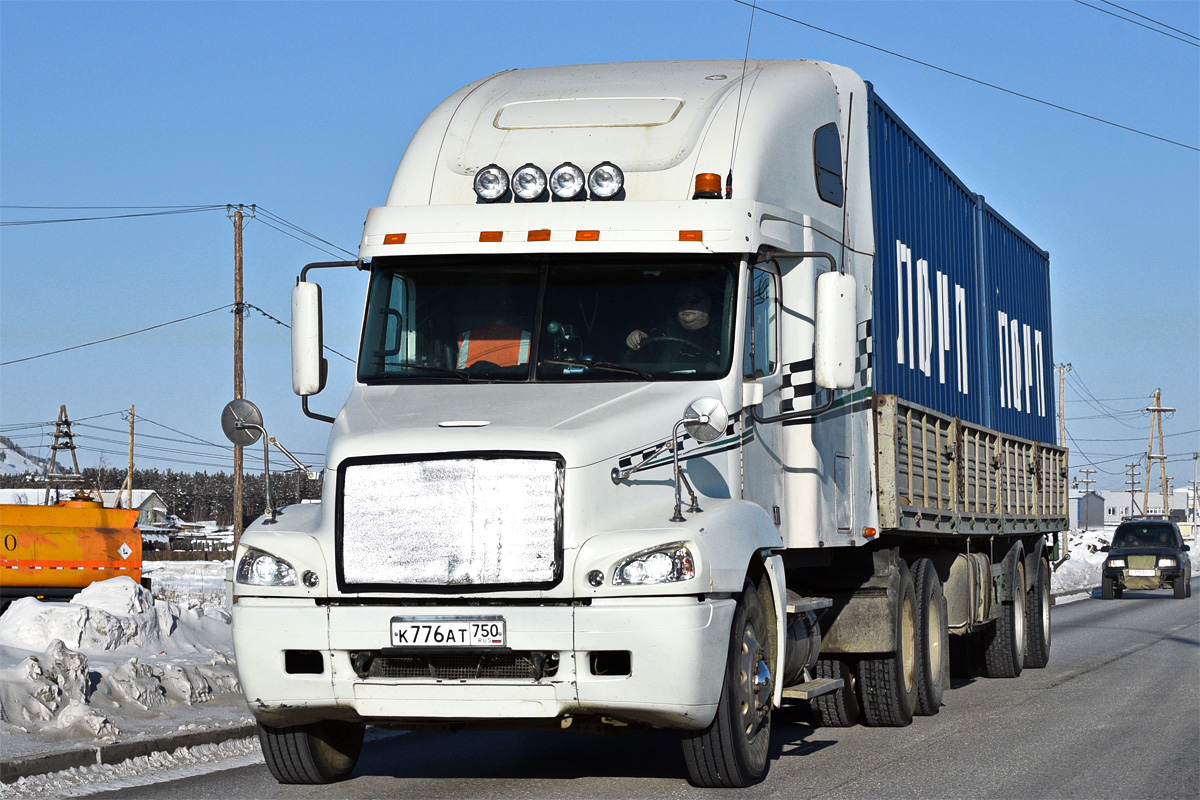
(122, 661)
(117, 661)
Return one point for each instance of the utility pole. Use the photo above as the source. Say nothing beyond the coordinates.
(238, 217)
(1157, 410)
(1087, 482)
(1132, 484)
(1195, 487)
(1062, 403)
(131, 417)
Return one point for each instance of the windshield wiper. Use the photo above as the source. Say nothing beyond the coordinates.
(608, 365)
(446, 371)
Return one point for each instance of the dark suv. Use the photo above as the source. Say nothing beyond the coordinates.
(1146, 554)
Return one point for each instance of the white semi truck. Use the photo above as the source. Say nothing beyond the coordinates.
(685, 390)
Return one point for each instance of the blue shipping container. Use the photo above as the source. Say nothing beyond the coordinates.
(962, 298)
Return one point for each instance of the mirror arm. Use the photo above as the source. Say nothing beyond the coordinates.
(313, 414)
(266, 440)
(790, 415)
(330, 265)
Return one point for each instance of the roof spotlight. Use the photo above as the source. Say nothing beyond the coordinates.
(605, 180)
(566, 181)
(529, 182)
(491, 183)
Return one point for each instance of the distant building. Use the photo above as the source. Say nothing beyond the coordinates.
(1086, 511)
(153, 511)
(1118, 506)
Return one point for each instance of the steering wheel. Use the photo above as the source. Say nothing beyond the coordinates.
(662, 340)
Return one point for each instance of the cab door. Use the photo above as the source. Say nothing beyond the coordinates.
(762, 456)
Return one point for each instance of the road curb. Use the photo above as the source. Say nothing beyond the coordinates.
(14, 769)
(1085, 591)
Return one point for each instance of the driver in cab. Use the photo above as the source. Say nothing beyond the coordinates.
(686, 337)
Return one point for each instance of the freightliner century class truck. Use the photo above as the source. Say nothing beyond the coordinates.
(685, 390)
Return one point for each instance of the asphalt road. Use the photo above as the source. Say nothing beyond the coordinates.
(1116, 714)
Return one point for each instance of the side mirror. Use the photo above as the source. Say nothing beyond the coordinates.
(835, 348)
(1105, 549)
(705, 419)
(309, 367)
(1186, 548)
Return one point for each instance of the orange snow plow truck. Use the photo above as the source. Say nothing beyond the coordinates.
(54, 551)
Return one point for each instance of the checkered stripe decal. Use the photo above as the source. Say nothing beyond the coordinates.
(799, 381)
(686, 442)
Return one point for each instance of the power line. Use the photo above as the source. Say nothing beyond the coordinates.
(1150, 19)
(114, 338)
(298, 229)
(969, 78)
(1134, 22)
(170, 210)
(278, 321)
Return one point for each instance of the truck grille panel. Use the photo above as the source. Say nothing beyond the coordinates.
(472, 521)
(467, 666)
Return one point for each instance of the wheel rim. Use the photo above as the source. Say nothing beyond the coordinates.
(935, 636)
(908, 644)
(1045, 607)
(755, 683)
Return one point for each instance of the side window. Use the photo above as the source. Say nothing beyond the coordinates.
(827, 164)
(762, 338)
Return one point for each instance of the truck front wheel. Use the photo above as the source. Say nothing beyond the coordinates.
(319, 752)
(732, 751)
(888, 682)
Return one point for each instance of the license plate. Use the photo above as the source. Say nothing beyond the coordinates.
(1141, 573)
(448, 632)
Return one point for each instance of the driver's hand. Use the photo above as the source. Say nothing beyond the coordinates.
(634, 340)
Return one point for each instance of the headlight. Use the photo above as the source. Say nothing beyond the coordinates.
(491, 183)
(258, 568)
(566, 181)
(665, 564)
(1116, 562)
(529, 182)
(605, 180)
(1167, 562)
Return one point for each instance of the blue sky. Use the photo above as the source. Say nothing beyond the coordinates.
(305, 110)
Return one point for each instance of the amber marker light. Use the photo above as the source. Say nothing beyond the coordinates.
(539, 236)
(708, 186)
(491, 236)
(587, 236)
(395, 238)
(869, 532)
(691, 236)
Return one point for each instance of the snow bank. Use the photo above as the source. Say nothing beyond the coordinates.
(74, 669)
(1082, 570)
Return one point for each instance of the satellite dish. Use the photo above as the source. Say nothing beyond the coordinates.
(242, 422)
(705, 419)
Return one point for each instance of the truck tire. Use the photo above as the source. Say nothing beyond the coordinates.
(319, 752)
(732, 751)
(888, 681)
(1037, 619)
(838, 709)
(933, 639)
(1004, 656)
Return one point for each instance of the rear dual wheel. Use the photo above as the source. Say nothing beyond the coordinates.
(888, 681)
(1004, 655)
(1037, 618)
(932, 639)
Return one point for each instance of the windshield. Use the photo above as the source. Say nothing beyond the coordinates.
(1144, 535)
(553, 318)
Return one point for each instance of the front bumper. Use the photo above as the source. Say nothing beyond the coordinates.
(677, 649)
(1163, 578)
